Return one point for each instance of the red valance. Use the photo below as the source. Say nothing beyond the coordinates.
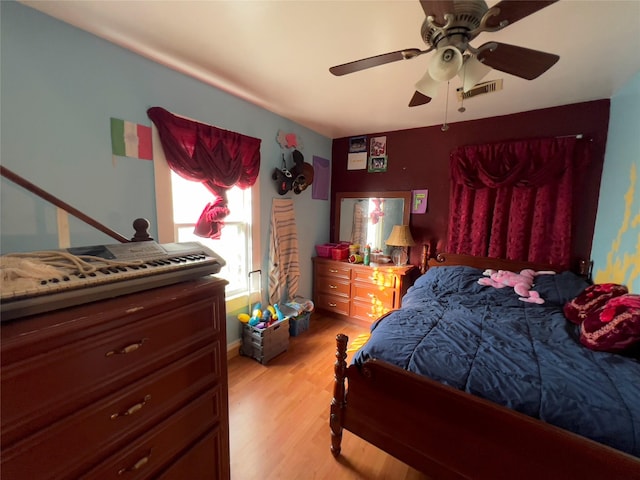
(522, 163)
(219, 159)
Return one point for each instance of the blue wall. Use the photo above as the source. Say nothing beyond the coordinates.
(60, 86)
(616, 241)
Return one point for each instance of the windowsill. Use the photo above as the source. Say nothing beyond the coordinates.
(240, 301)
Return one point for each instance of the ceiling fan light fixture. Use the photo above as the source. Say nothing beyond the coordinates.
(427, 85)
(446, 64)
(472, 72)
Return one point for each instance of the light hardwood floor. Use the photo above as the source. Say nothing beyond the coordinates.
(279, 416)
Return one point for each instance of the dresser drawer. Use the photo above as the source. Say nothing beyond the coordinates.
(368, 311)
(333, 286)
(61, 448)
(334, 270)
(332, 303)
(146, 456)
(49, 386)
(374, 276)
(367, 293)
(202, 461)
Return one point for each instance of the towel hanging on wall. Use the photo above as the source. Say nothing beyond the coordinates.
(284, 265)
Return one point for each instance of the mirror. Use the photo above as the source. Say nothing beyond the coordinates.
(368, 217)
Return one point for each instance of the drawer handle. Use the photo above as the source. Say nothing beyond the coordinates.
(333, 304)
(371, 295)
(333, 270)
(128, 349)
(372, 315)
(130, 411)
(136, 466)
(333, 286)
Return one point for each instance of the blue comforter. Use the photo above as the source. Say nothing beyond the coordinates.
(525, 356)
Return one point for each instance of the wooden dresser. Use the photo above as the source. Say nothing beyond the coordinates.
(358, 292)
(129, 387)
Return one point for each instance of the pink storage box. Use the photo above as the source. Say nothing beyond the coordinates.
(324, 250)
(341, 252)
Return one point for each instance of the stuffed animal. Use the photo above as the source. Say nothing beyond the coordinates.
(522, 282)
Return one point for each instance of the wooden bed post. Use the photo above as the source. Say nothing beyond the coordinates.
(338, 401)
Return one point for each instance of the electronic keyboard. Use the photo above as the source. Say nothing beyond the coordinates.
(126, 268)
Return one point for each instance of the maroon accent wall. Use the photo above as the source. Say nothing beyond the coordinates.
(419, 159)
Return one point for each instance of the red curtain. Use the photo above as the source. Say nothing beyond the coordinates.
(514, 200)
(219, 159)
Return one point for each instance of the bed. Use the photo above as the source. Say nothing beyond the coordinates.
(466, 381)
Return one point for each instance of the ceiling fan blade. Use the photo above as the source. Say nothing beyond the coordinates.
(514, 10)
(419, 99)
(437, 9)
(369, 62)
(519, 61)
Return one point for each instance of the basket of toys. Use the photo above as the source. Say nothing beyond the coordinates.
(265, 332)
(299, 313)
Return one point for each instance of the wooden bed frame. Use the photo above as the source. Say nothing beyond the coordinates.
(449, 434)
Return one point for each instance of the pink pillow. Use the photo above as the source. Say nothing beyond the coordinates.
(614, 327)
(591, 299)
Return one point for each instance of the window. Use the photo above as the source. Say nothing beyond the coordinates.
(178, 204)
(234, 244)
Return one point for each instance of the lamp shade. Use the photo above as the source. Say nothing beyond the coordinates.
(472, 72)
(446, 64)
(428, 86)
(400, 237)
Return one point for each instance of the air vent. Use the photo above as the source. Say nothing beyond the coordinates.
(480, 89)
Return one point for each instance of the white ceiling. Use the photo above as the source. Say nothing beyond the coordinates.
(277, 54)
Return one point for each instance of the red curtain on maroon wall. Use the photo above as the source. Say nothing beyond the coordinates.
(513, 200)
(219, 159)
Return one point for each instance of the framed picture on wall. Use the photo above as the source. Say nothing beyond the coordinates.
(357, 144)
(378, 164)
(357, 161)
(378, 146)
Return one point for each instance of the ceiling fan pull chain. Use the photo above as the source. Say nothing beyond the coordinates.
(464, 78)
(445, 125)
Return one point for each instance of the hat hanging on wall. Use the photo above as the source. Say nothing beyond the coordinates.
(298, 178)
(303, 180)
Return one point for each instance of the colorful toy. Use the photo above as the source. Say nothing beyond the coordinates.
(522, 282)
(279, 314)
(256, 316)
(261, 318)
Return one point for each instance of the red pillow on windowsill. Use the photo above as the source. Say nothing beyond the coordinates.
(591, 299)
(615, 327)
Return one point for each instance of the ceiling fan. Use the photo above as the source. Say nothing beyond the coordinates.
(448, 28)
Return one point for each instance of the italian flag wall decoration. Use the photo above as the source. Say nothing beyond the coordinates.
(130, 139)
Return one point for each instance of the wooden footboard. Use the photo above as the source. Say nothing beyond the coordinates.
(449, 434)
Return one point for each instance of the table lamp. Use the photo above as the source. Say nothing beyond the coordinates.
(401, 239)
